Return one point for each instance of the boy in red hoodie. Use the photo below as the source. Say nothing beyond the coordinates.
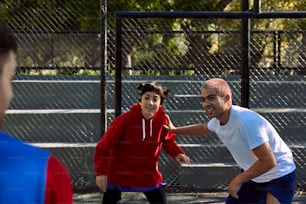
(126, 157)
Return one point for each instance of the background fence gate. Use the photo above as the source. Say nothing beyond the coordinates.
(255, 62)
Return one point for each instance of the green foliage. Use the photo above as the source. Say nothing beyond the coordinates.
(178, 45)
(59, 15)
(90, 18)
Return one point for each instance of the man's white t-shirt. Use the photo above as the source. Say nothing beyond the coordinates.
(247, 130)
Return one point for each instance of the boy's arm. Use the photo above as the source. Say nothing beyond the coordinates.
(170, 145)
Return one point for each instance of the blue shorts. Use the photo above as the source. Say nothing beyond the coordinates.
(251, 192)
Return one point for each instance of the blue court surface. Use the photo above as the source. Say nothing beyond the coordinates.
(173, 198)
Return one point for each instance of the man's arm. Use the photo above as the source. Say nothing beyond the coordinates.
(265, 162)
(196, 130)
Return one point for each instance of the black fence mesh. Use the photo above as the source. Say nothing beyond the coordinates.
(57, 86)
(181, 52)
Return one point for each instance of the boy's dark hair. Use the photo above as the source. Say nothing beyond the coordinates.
(8, 43)
(153, 87)
(8, 40)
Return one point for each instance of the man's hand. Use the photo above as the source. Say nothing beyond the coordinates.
(170, 127)
(101, 182)
(182, 158)
(234, 187)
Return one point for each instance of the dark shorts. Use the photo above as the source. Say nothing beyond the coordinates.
(251, 192)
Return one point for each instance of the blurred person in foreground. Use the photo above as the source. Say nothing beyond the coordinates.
(28, 174)
(268, 166)
(126, 157)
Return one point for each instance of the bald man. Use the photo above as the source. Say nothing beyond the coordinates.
(268, 166)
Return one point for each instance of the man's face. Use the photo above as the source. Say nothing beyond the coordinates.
(6, 92)
(213, 103)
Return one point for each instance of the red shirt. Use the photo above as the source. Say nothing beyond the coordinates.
(58, 187)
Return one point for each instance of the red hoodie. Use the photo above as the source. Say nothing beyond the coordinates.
(128, 151)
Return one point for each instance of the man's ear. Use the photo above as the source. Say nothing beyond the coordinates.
(227, 98)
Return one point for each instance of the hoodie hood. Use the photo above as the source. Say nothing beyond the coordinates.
(158, 116)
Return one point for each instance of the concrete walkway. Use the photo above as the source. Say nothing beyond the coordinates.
(173, 198)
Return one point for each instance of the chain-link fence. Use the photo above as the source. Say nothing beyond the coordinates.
(147, 45)
(58, 85)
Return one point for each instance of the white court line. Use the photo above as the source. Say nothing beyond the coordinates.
(280, 110)
(222, 145)
(63, 145)
(201, 145)
(259, 110)
(210, 165)
(71, 111)
(278, 82)
(56, 111)
(70, 145)
(57, 81)
(187, 95)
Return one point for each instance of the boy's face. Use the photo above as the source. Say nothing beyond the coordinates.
(8, 66)
(150, 103)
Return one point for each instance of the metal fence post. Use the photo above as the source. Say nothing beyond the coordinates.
(118, 62)
(245, 55)
(103, 65)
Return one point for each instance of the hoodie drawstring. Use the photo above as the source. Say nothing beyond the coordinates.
(144, 128)
(151, 127)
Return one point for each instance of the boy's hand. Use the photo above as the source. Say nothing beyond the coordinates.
(182, 158)
(101, 182)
